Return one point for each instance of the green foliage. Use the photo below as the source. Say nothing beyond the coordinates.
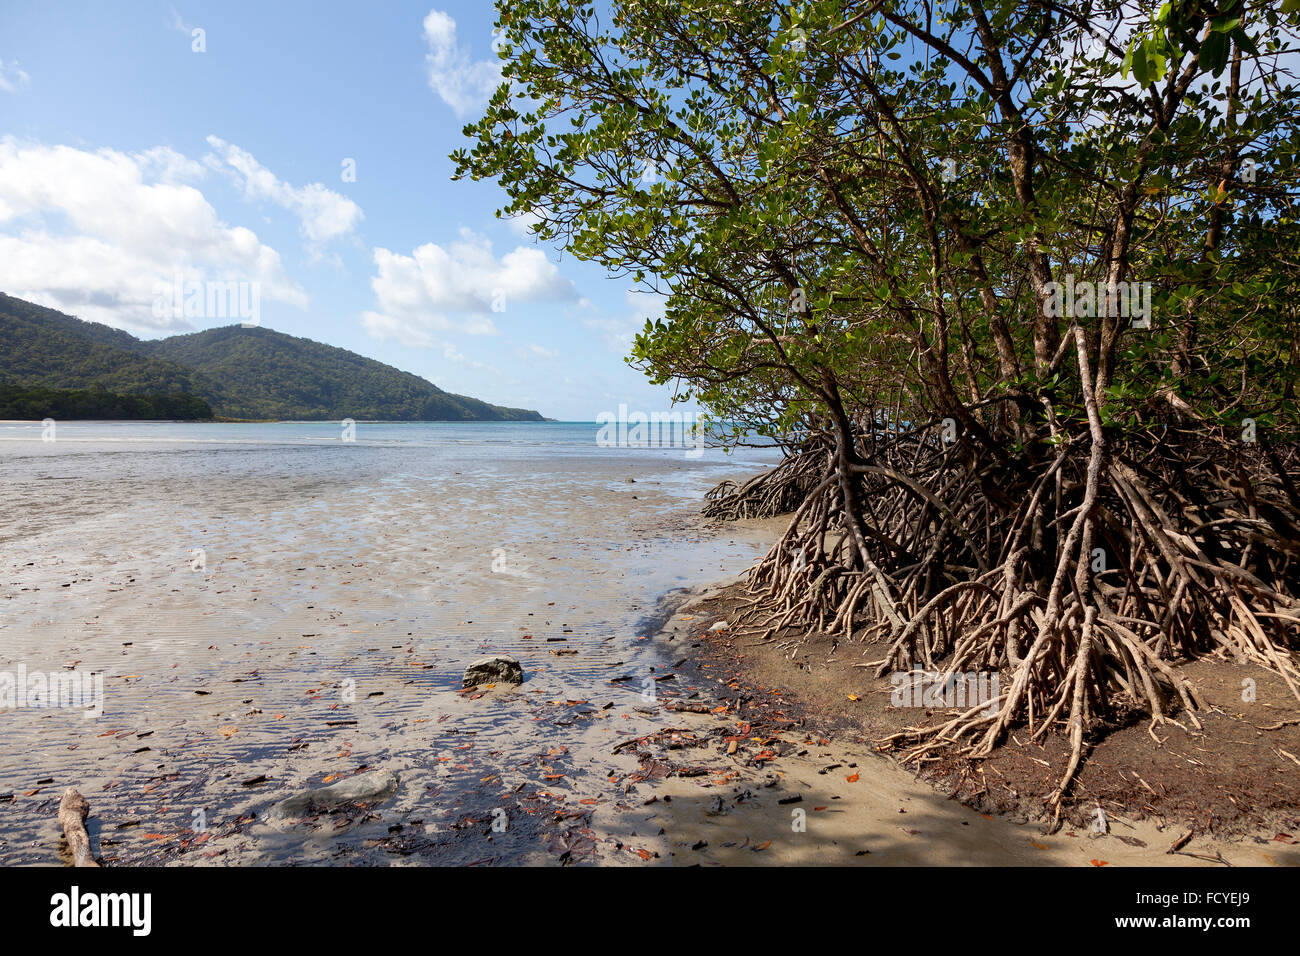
(808, 149)
(27, 403)
(1191, 27)
(43, 347)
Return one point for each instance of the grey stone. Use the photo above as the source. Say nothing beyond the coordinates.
(500, 669)
(373, 787)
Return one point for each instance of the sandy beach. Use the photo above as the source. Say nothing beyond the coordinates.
(768, 780)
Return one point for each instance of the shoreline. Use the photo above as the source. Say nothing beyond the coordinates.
(776, 739)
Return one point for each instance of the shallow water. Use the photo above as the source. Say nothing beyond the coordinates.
(272, 601)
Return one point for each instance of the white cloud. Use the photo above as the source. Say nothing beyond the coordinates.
(1080, 50)
(168, 166)
(95, 233)
(463, 84)
(176, 22)
(522, 224)
(618, 331)
(451, 354)
(534, 351)
(323, 214)
(12, 77)
(416, 295)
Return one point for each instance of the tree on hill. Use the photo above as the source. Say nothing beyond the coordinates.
(25, 403)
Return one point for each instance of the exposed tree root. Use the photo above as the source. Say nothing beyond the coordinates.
(1075, 571)
(776, 492)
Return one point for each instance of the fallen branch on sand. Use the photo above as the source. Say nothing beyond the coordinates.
(73, 810)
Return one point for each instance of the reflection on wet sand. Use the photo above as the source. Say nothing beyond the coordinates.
(271, 619)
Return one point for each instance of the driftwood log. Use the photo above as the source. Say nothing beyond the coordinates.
(73, 810)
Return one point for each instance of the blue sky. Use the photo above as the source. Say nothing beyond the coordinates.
(129, 160)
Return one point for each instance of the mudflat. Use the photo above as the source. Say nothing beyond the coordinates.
(273, 616)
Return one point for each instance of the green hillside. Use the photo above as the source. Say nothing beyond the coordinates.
(32, 403)
(251, 373)
(43, 348)
(261, 370)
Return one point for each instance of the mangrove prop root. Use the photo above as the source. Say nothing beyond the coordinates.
(1078, 575)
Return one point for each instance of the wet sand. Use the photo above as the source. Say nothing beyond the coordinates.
(789, 796)
(324, 632)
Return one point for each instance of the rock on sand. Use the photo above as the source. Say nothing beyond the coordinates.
(500, 669)
(364, 788)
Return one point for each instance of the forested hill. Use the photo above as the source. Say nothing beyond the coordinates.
(241, 373)
(42, 348)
